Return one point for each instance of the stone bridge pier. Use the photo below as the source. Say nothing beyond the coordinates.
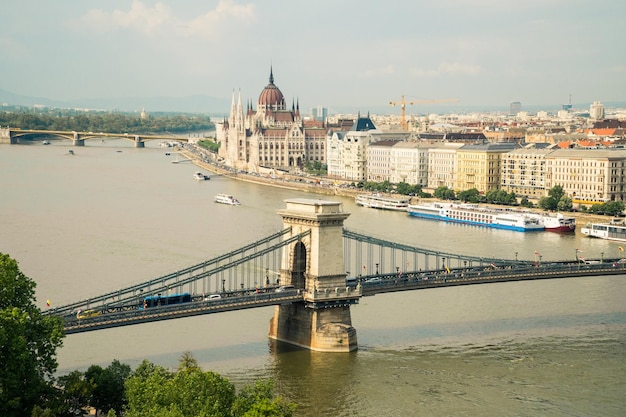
(78, 140)
(315, 266)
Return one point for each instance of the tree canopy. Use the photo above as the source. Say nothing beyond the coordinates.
(99, 121)
(191, 392)
(28, 343)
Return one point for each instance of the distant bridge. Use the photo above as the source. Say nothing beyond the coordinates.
(12, 136)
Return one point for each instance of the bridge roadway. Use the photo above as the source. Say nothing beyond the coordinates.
(355, 288)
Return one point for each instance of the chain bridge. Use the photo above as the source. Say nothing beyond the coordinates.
(312, 270)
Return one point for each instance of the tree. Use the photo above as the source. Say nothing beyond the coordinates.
(565, 204)
(108, 386)
(76, 391)
(556, 192)
(444, 193)
(190, 392)
(614, 208)
(28, 343)
(469, 196)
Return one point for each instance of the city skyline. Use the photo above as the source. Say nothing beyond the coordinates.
(340, 55)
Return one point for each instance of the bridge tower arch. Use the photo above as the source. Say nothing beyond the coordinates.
(315, 266)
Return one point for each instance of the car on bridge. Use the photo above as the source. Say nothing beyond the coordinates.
(86, 314)
(284, 288)
(211, 297)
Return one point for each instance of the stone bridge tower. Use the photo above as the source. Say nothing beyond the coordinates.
(315, 266)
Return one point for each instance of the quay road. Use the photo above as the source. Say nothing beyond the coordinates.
(355, 288)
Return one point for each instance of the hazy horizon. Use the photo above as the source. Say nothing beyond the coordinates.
(340, 55)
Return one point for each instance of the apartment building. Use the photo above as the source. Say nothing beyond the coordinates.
(442, 164)
(588, 175)
(524, 171)
(479, 166)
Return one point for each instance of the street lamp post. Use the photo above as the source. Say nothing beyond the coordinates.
(515, 257)
(376, 269)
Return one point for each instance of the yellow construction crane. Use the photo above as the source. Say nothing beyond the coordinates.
(403, 104)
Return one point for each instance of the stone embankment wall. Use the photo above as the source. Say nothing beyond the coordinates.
(292, 183)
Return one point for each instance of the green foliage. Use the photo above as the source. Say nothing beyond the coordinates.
(209, 145)
(556, 192)
(98, 121)
(28, 343)
(108, 386)
(611, 208)
(408, 189)
(190, 392)
(444, 193)
(470, 196)
(524, 202)
(76, 392)
(547, 203)
(316, 168)
(565, 204)
(500, 197)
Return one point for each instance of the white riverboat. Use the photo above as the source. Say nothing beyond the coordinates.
(615, 230)
(558, 223)
(472, 214)
(381, 202)
(199, 176)
(226, 199)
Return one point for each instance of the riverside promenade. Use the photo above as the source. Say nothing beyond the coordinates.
(206, 160)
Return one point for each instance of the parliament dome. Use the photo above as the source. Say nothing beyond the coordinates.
(271, 96)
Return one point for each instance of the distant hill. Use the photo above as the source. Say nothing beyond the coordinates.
(189, 104)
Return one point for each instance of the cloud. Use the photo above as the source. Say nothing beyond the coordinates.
(447, 68)
(211, 22)
(160, 19)
(140, 18)
(375, 72)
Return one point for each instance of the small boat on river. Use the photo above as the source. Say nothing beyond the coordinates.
(226, 199)
(199, 176)
(378, 201)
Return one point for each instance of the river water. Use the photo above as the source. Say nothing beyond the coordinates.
(111, 215)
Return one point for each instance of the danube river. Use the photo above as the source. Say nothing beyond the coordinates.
(111, 215)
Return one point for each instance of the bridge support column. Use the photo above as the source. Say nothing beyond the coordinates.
(138, 142)
(325, 330)
(77, 140)
(315, 266)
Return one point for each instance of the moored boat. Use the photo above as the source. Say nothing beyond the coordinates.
(615, 230)
(226, 199)
(381, 202)
(558, 223)
(474, 215)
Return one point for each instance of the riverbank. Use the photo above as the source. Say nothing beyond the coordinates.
(204, 159)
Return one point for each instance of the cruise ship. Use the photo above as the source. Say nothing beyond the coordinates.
(615, 230)
(381, 202)
(477, 216)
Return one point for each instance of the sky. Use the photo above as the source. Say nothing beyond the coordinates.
(334, 53)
